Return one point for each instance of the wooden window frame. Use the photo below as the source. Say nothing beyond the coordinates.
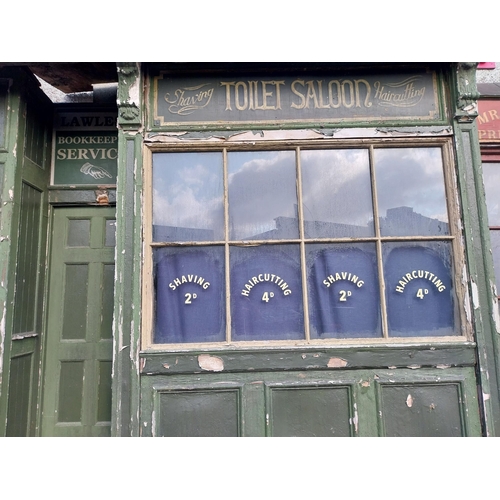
(459, 272)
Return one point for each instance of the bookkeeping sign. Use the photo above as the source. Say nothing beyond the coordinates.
(85, 148)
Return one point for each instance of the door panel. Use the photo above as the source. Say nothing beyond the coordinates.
(362, 402)
(77, 398)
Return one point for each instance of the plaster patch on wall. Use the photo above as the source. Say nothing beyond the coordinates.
(336, 363)
(210, 363)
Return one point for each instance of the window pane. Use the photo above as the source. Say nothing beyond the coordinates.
(419, 289)
(410, 191)
(343, 291)
(491, 173)
(188, 197)
(266, 293)
(336, 193)
(190, 291)
(495, 247)
(262, 195)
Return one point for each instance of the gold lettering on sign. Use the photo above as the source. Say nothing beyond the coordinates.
(185, 100)
(266, 277)
(253, 95)
(421, 274)
(318, 94)
(400, 94)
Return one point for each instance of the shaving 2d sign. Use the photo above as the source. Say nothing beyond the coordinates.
(85, 149)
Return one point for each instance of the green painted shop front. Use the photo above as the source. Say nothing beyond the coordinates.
(298, 252)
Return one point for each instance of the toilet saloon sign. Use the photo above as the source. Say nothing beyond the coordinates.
(320, 98)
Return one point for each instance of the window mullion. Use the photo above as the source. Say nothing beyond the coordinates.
(376, 222)
(300, 212)
(226, 246)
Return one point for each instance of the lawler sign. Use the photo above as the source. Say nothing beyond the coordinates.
(85, 148)
(317, 98)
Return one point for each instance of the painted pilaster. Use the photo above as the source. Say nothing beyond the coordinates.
(127, 306)
(11, 162)
(476, 232)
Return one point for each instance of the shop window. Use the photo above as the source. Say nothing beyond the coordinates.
(491, 173)
(300, 245)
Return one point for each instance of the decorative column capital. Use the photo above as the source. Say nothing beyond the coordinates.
(129, 96)
(466, 92)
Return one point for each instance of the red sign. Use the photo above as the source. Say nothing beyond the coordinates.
(488, 120)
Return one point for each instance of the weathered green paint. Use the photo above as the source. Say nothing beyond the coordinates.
(78, 350)
(23, 222)
(355, 390)
(477, 244)
(127, 305)
(439, 402)
(353, 357)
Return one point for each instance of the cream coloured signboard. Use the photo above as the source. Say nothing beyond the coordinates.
(272, 99)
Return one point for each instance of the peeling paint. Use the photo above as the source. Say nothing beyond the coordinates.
(409, 401)
(496, 314)
(210, 363)
(304, 356)
(392, 367)
(354, 420)
(414, 367)
(443, 367)
(475, 295)
(2, 341)
(11, 194)
(166, 365)
(365, 383)
(486, 397)
(336, 363)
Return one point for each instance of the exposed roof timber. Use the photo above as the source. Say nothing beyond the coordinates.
(71, 76)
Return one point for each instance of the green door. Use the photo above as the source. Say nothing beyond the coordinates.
(78, 359)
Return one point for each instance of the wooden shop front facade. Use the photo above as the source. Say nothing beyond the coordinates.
(248, 250)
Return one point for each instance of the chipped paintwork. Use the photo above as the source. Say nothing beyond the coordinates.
(475, 294)
(354, 420)
(336, 363)
(443, 367)
(210, 363)
(409, 401)
(496, 314)
(291, 134)
(2, 341)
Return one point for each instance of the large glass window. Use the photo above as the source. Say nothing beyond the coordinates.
(491, 173)
(301, 245)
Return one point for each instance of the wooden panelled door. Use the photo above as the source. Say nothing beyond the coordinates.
(78, 359)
